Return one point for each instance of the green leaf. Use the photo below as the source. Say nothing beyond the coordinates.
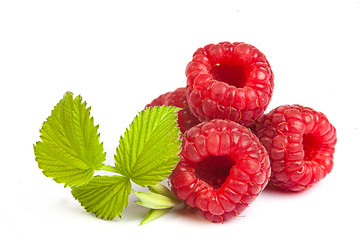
(70, 150)
(148, 151)
(154, 200)
(154, 214)
(161, 189)
(104, 196)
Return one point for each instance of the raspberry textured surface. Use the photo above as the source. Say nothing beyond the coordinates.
(223, 168)
(229, 81)
(177, 98)
(300, 142)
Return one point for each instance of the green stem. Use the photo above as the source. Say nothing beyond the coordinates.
(109, 169)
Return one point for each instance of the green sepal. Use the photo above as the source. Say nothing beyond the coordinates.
(161, 189)
(154, 214)
(154, 200)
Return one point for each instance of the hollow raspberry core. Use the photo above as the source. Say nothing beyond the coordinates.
(310, 146)
(214, 170)
(233, 75)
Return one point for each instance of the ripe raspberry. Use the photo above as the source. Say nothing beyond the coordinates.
(300, 142)
(177, 98)
(223, 168)
(229, 81)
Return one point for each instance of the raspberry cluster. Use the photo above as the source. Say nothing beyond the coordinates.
(224, 165)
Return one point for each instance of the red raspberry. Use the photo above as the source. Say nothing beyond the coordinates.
(300, 142)
(229, 81)
(177, 98)
(223, 168)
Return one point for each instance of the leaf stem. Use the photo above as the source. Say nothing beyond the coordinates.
(109, 169)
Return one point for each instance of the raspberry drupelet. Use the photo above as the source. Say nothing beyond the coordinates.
(229, 81)
(300, 142)
(223, 168)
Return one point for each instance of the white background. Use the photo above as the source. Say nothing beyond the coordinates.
(121, 55)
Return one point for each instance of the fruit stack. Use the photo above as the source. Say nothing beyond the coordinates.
(231, 149)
